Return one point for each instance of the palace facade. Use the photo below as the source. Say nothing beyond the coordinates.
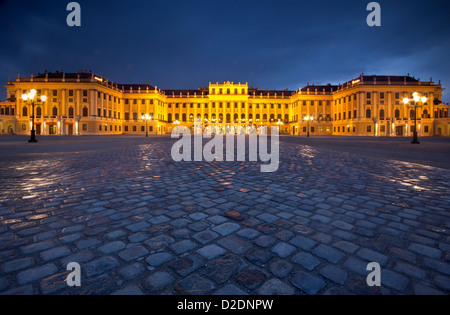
(86, 104)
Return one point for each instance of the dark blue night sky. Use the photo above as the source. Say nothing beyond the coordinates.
(187, 44)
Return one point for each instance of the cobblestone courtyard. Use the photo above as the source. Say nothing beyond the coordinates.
(139, 223)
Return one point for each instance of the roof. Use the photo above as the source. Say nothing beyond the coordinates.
(60, 75)
(135, 87)
(270, 92)
(320, 88)
(199, 91)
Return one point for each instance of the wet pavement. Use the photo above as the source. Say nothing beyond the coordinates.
(139, 223)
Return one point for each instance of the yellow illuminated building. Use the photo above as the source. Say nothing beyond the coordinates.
(85, 104)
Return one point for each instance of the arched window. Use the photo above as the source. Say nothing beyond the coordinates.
(25, 111)
(199, 116)
(397, 114)
(184, 117)
(425, 114)
(279, 117)
(272, 117)
(286, 118)
(243, 117)
(177, 116)
(169, 118)
(86, 112)
(368, 113)
(258, 117)
(236, 118)
(228, 118)
(250, 117)
(206, 116)
(265, 117)
(38, 112)
(412, 113)
(55, 111)
(381, 114)
(220, 118)
(70, 112)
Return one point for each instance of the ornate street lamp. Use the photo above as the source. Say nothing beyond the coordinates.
(146, 118)
(32, 98)
(419, 101)
(308, 119)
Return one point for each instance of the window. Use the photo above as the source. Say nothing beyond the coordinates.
(126, 128)
(382, 95)
(70, 112)
(85, 93)
(142, 128)
(38, 112)
(55, 92)
(99, 127)
(397, 114)
(134, 128)
(25, 111)
(368, 113)
(383, 128)
(135, 116)
(71, 93)
(84, 127)
(369, 95)
(24, 126)
(397, 96)
(369, 128)
(143, 102)
(381, 114)
(55, 111)
(85, 112)
(427, 129)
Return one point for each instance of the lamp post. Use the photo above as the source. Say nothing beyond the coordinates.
(32, 98)
(308, 119)
(146, 118)
(417, 99)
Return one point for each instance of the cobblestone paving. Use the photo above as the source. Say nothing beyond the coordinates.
(139, 223)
